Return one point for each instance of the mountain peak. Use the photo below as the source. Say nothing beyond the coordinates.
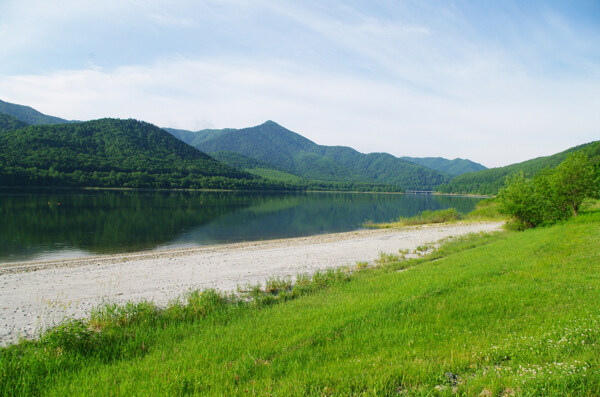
(270, 123)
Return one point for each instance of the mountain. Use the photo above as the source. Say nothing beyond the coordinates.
(491, 180)
(10, 123)
(240, 161)
(29, 115)
(193, 137)
(292, 153)
(112, 152)
(453, 167)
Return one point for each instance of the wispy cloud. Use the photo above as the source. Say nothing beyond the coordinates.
(456, 80)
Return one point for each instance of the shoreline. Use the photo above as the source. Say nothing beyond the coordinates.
(36, 264)
(38, 295)
(133, 189)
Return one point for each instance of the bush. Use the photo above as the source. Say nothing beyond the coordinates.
(552, 195)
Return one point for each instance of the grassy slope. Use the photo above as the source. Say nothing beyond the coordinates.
(490, 310)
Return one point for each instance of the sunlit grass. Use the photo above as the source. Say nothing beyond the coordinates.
(513, 313)
(485, 210)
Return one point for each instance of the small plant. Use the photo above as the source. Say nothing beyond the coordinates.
(388, 258)
(425, 248)
(72, 336)
(361, 265)
(275, 285)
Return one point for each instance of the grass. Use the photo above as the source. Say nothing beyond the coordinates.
(485, 210)
(514, 313)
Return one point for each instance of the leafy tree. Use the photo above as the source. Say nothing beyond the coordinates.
(520, 200)
(573, 181)
(552, 195)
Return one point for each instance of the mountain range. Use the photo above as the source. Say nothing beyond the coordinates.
(270, 146)
(272, 152)
(37, 149)
(453, 167)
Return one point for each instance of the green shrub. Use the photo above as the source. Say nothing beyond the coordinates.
(551, 196)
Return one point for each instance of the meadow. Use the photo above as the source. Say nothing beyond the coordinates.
(513, 313)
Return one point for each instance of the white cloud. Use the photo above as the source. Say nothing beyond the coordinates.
(514, 119)
(417, 79)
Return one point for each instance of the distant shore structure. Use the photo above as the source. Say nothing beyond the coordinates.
(418, 192)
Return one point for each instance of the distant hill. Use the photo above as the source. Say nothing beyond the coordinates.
(193, 137)
(10, 123)
(289, 152)
(453, 167)
(491, 180)
(29, 115)
(112, 152)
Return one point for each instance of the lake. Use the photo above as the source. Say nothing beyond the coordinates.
(41, 225)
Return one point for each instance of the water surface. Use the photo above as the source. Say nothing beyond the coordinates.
(39, 225)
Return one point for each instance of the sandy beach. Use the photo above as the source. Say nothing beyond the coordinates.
(38, 295)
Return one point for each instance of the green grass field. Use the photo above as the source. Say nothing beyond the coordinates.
(515, 313)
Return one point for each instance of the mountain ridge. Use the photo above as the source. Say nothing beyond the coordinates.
(29, 115)
(291, 152)
(453, 167)
(111, 152)
(491, 180)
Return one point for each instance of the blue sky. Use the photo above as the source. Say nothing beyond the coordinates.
(494, 81)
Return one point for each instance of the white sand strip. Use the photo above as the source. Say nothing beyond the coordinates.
(38, 295)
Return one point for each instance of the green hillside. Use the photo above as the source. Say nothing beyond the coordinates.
(491, 180)
(10, 123)
(28, 114)
(289, 152)
(239, 161)
(453, 167)
(295, 182)
(112, 153)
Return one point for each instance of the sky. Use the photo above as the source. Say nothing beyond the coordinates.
(497, 82)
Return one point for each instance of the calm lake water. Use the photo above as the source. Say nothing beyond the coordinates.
(61, 224)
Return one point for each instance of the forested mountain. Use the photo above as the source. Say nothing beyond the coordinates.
(112, 152)
(193, 137)
(491, 180)
(240, 161)
(453, 167)
(287, 151)
(29, 115)
(10, 123)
